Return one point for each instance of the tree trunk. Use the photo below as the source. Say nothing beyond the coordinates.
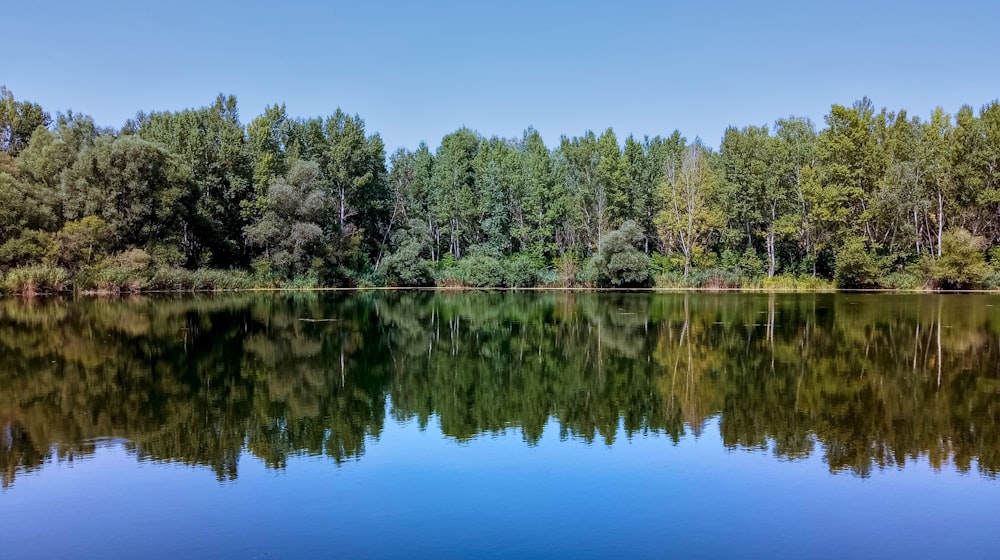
(940, 220)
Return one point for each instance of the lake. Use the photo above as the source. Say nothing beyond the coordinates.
(501, 424)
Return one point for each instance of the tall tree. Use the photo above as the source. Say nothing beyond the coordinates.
(453, 201)
(579, 159)
(267, 137)
(934, 157)
(541, 228)
(18, 121)
(353, 166)
(795, 146)
(145, 195)
(499, 185)
(688, 217)
(213, 142)
(290, 231)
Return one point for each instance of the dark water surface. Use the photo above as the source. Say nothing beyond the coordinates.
(460, 425)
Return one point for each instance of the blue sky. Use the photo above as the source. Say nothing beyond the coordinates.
(418, 70)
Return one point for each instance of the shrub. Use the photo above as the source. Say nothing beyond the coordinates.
(405, 267)
(962, 264)
(522, 271)
(32, 280)
(856, 267)
(301, 282)
(481, 271)
(567, 267)
(620, 262)
(81, 243)
(789, 282)
(665, 265)
(29, 248)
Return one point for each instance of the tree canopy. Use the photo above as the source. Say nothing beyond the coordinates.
(902, 202)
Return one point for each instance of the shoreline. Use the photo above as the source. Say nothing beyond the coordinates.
(468, 289)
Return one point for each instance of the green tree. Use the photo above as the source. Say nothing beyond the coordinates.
(645, 166)
(934, 157)
(81, 243)
(407, 265)
(499, 187)
(18, 121)
(621, 261)
(579, 159)
(795, 147)
(267, 137)
(145, 194)
(290, 230)
(688, 217)
(213, 143)
(541, 227)
(453, 197)
(962, 264)
(353, 167)
(850, 157)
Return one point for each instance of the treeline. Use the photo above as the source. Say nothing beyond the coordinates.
(204, 380)
(197, 199)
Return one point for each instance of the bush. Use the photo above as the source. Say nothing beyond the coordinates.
(992, 282)
(405, 267)
(620, 262)
(567, 267)
(81, 243)
(301, 282)
(665, 265)
(795, 283)
(962, 264)
(33, 280)
(29, 248)
(904, 280)
(481, 271)
(717, 279)
(856, 267)
(522, 271)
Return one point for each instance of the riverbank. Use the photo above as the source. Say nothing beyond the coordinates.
(44, 280)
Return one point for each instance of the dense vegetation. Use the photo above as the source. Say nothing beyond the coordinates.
(195, 199)
(865, 380)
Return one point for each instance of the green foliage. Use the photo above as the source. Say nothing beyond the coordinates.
(962, 264)
(522, 271)
(81, 243)
(911, 279)
(856, 266)
(289, 232)
(211, 140)
(29, 247)
(18, 121)
(872, 193)
(620, 261)
(567, 269)
(142, 192)
(796, 283)
(23, 206)
(481, 271)
(33, 280)
(662, 265)
(406, 266)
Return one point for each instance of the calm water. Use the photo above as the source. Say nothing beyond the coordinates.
(501, 425)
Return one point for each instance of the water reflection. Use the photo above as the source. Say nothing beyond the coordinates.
(869, 381)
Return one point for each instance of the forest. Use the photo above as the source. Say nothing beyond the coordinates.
(198, 200)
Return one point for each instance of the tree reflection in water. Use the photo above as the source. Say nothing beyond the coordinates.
(869, 380)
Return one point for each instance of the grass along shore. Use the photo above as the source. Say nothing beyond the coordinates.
(42, 280)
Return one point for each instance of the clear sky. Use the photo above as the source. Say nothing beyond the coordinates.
(418, 70)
